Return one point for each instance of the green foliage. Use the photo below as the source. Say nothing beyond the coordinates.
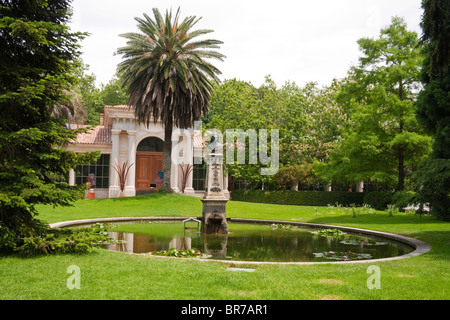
(173, 252)
(384, 142)
(434, 113)
(293, 176)
(166, 72)
(308, 119)
(37, 50)
(402, 199)
(304, 198)
(391, 210)
(432, 178)
(378, 199)
(329, 233)
(435, 25)
(75, 240)
(280, 226)
(433, 186)
(342, 256)
(95, 98)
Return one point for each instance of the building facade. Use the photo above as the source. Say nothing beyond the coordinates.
(121, 139)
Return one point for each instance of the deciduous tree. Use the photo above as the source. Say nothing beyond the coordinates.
(384, 142)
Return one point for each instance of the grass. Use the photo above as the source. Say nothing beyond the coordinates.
(115, 275)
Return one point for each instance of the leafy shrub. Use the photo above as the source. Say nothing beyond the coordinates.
(76, 240)
(401, 199)
(173, 252)
(378, 200)
(391, 210)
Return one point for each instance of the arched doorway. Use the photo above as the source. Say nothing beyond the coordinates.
(149, 162)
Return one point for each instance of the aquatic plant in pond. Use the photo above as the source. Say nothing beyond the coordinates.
(332, 233)
(343, 256)
(280, 226)
(250, 242)
(363, 242)
(173, 252)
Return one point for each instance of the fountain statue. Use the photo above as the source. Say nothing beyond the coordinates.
(214, 200)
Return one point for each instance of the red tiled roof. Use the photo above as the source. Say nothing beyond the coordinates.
(198, 141)
(122, 106)
(98, 135)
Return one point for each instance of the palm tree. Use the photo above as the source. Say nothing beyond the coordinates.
(166, 75)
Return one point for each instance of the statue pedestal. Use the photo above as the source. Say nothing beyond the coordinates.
(214, 216)
(214, 200)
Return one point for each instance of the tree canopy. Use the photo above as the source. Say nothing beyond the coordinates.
(384, 143)
(433, 107)
(37, 51)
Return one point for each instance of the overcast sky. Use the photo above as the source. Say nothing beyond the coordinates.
(291, 40)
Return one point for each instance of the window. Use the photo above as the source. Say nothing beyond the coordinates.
(151, 144)
(199, 176)
(100, 169)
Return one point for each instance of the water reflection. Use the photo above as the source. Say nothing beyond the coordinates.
(262, 244)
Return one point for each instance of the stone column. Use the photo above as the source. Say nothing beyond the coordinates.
(225, 184)
(360, 186)
(113, 177)
(189, 156)
(130, 189)
(214, 200)
(71, 177)
(174, 166)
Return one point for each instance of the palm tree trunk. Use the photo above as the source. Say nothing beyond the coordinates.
(167, 157)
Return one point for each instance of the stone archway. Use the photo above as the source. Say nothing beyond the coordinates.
(149, 162)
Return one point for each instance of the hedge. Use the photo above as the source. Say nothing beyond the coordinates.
(378, 200)
(303, 198)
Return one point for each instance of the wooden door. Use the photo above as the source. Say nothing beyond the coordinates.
(148, 164)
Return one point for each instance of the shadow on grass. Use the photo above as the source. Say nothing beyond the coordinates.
(378, 219)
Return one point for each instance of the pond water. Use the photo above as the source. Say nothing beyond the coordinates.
(250, 242)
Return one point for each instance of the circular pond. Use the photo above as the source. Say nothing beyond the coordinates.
(249, 242)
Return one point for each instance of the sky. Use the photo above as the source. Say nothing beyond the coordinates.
(299, 41)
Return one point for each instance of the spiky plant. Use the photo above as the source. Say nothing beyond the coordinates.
(166, 75)
(186, 170)
(122, 171)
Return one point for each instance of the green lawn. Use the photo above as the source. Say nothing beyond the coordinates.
(113, 275)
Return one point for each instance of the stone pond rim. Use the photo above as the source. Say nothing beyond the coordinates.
(420, 247)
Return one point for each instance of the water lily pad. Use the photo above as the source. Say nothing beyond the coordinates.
(343, 256)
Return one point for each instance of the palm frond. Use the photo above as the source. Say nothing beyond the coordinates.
(166, 72)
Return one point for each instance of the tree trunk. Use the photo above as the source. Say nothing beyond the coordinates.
(294, 185)
(167, 158)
